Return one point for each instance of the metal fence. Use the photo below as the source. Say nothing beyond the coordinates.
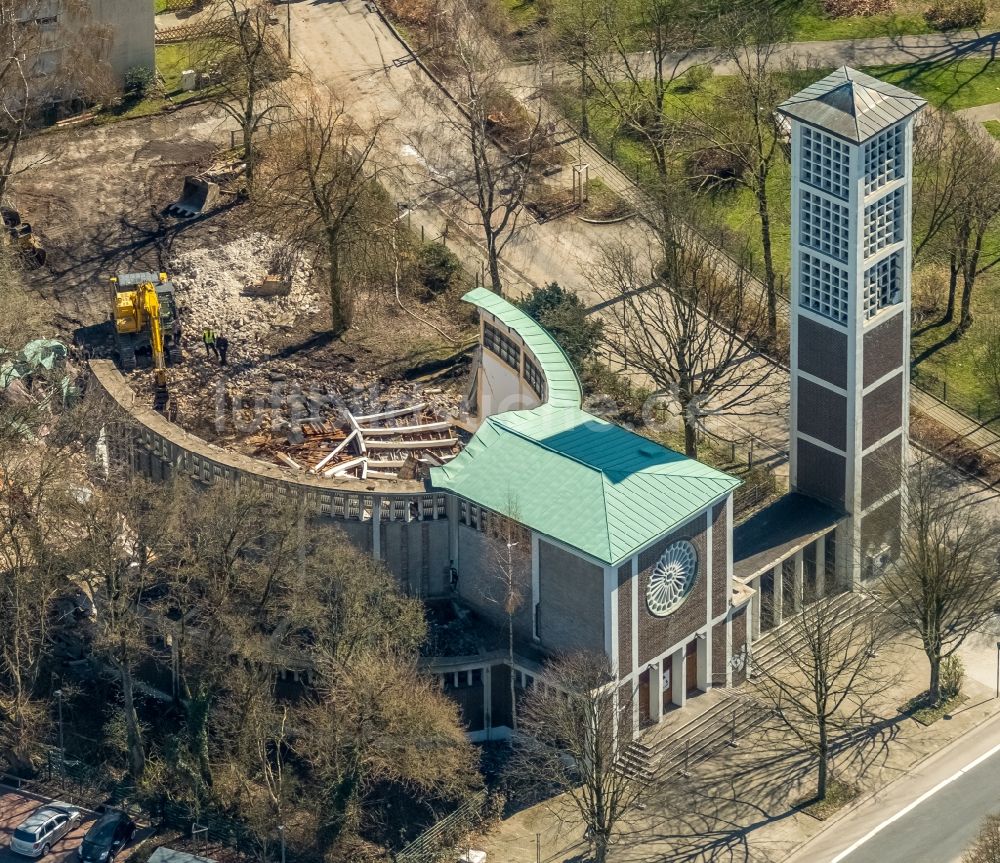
(444, 836)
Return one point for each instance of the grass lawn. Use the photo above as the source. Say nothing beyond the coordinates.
(810, 23)
(958, 84)
(171, 60)
(993, 127)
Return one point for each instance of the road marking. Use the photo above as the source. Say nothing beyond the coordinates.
(910, 807)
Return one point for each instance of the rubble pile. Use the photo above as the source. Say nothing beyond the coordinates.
(212, 282)
(391, 444)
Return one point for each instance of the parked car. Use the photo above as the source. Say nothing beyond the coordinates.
(108, 835)
(36, 835)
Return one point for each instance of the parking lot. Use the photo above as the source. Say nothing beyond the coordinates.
(15, 806)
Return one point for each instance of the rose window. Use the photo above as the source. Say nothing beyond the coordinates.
(672, 578)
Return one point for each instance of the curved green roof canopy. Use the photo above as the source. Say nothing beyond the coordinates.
(571, 476)
(563, 385)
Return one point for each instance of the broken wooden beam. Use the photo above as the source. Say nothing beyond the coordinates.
(444, 425)
(288, 460)
(385, 415)
(326, 459)
(412, 444)
(344, 466)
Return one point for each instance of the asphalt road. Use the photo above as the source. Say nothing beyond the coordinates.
(928, 816)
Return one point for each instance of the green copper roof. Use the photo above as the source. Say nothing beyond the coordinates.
(563, 384)
(588, 483)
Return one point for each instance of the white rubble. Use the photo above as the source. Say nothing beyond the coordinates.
(210, 283)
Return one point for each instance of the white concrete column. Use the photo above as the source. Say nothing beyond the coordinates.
(821, 566)
(777, 594)
(488, 701)
(756, 604)
(656, 691)
(677, 681)
(376, 527)
(704, 653)
(799, 581)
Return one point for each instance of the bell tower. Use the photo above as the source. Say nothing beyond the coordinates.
(852, 166)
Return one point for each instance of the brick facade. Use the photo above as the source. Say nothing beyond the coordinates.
(880, 471)
(883, 410)
(480, 584)
(657, 634)
(881, 527)
(883, 349)
(820, 473)
(822, 414)
(823, 352)
(625, 619)
(720, 544)
(571, 601)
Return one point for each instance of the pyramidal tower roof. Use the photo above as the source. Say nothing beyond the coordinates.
(852, 105)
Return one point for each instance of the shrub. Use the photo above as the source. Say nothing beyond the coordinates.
(564, 315)
(696, 77)
(437, 267)
(714, 167)
(952, 677)
(955, 14)
(138, 80)
(845, 8)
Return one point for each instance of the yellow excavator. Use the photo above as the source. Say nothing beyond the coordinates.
(145, 319)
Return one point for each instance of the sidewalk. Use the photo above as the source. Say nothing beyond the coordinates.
(974, 433)
(739, 805)
(877, 51)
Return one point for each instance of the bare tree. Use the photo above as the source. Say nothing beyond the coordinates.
(986, 848)
(490, 139)
(824, 674)
(579, 41)
(680, 318)
(41, 65)
(250, 63)
(119, 526)
(509, 545)
(958, 205)
(944, 585)
(643, 50)
(323, 186)
(990, 357)
(572, 741)
(745, 124)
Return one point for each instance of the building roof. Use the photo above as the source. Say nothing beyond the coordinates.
(563, 385)
(590, 484)
(851, 105)
(771, 535)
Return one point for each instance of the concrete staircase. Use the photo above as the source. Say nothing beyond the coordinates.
(705, 735)
(769, 649)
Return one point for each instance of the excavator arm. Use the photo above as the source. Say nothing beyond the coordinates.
(149, 307)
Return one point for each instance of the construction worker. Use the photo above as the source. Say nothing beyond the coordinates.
(222, 346)
(208, 336)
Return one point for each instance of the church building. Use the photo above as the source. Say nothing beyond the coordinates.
(587, 536)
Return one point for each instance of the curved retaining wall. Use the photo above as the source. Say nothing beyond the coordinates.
(401, 522)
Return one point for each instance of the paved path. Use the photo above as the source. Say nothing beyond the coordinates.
(878, 51)
(976, 435)
(928, 816)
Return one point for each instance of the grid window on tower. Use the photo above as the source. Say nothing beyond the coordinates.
(881, 285)
(824, 226)
(826, 162)
(823, 287)
(883, 223)
(883, 159)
